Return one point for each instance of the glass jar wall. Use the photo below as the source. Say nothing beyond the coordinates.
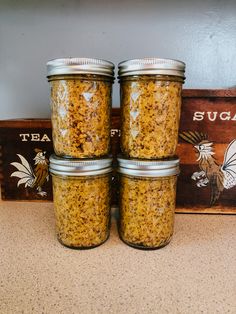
(150, 92)
(81, 94)
(82, 197)
(147, 202)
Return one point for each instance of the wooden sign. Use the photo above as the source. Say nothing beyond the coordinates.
(25, 147)
(207, 150)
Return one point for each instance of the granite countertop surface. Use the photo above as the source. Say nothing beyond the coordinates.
(195, 273)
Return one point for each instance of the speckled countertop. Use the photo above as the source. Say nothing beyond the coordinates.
(195, 273)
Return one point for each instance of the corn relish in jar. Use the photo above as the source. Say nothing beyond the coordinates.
(81, 90)
(147, 201)
(150, 92)
(82, 197)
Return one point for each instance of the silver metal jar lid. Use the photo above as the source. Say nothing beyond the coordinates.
(152, 66)
(78, 167)
(148, 168)
(80, 66)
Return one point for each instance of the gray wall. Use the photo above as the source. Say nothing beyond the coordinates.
(202, 33)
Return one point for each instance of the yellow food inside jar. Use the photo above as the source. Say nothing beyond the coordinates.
(82, 210)
(147, 207)
(80, 114)
(150, 113)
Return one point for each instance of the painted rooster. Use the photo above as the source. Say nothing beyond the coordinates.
(33, 178)
(219, 177)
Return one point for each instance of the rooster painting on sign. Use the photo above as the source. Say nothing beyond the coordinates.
(219, 177)
(33, 178)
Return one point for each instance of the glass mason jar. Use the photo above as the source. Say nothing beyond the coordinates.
(82, 197)
(150, 91)
(81, 94)
(147, 201)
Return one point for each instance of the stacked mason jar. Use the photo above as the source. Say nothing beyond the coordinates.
(150, 113)
(81, 90)
(81, 168)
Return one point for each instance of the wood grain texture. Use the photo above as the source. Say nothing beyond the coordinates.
(189, 155)
(12, 145)
(218, 131)
(25, 123)
(206, 93)
(206, 210)
(190, 195)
